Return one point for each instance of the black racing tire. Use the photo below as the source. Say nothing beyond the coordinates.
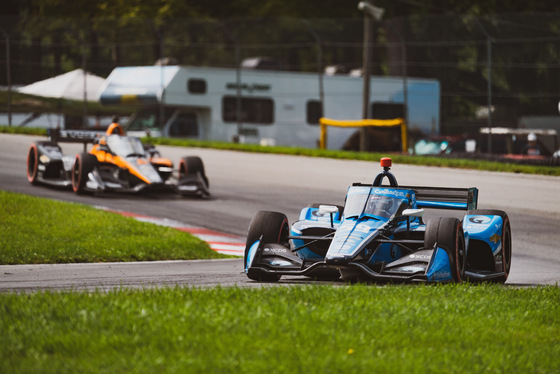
(33, 160)
(32, 163)
(506, 238)
(274, 228)
(191, 165)
(448, 233)
(84, 164)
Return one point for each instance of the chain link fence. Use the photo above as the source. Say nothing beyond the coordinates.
(497, 71)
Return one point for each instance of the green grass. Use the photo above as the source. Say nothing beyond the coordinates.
(37, 230)
(309, 329)
(22, 130)
(365, 156)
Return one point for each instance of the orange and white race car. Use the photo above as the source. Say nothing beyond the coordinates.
(116, 162)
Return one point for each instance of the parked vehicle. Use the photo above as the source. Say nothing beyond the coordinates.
(262, 106)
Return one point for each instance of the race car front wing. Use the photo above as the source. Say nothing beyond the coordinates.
(425, 265)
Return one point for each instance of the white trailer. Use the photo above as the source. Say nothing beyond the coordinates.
(257, 106)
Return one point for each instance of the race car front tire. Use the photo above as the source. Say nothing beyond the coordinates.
(84, 164)
(191, 165)
(32, 163)
(448, 233)
(273, 227)
(34, 159)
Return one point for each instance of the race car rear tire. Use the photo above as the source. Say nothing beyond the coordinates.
(191, 165)
(448, 233)
(506, 238)
(84, 164)
(32, 163)
(273, 227)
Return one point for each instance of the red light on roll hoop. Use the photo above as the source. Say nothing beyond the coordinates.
(386, 162)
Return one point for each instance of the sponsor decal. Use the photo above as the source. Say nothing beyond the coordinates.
(495, 238)
(421, 257)
(363, 228)
(248, 87)
(274, 250)
(410, 269)
(316, 213)
(280, 263)
(354, 237)
(396, 193)
(346, 248)
(480, 220)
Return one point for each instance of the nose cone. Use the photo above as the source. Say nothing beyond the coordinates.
(350, 238)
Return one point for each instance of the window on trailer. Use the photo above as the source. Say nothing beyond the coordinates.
(314, 111)
(196, 86)
(253, 110)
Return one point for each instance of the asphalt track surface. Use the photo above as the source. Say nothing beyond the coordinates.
(243, 183)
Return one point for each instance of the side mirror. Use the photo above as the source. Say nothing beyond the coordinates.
(330, 210)
(413, 213)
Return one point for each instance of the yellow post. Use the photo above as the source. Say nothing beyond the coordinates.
(323, 138)
(362, 123)
(404, 138)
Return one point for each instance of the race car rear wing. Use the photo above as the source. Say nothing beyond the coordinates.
(445, 197)
(74, 136)
(442, 197)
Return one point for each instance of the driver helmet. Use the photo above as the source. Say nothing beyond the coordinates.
(386, 204)
(380, 203)
(115, 129)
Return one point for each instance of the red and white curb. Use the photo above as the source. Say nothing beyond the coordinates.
(219, 242)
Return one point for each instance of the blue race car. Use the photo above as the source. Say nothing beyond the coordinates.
(380, 235)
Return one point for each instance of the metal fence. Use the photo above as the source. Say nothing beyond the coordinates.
(509, 63)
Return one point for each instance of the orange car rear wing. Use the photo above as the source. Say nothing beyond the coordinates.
(74, 136)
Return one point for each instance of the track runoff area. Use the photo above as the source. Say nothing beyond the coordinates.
(219, 242)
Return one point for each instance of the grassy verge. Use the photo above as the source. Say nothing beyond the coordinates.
(347, 155)
(22, 130)
(36, 230)
(311, 329)
(366, 156)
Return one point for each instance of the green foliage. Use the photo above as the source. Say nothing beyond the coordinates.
(22, 130)
(37, 230)
(312, 329)
(30, 104)
(447, 42)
